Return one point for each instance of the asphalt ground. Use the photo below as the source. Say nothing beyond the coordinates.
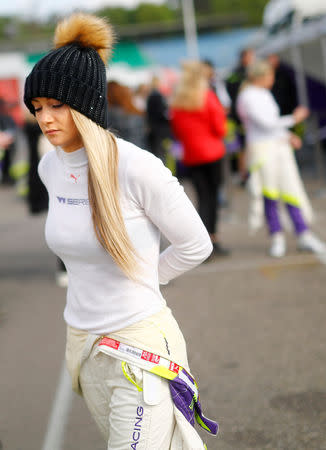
(254, 326)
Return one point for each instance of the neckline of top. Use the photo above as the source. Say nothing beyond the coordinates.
(77, 158)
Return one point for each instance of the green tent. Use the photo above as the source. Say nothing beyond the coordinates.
(125, 52)
(129, 53)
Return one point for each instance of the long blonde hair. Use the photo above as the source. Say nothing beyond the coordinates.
(190, 90)
(103, 191)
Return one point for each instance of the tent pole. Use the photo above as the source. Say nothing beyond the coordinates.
(299, 75)
(190, 30)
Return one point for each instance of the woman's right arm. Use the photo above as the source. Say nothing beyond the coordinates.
(165, 203)
(260, 110)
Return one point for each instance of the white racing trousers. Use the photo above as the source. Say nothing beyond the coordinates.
(132, 407)
(274, 175)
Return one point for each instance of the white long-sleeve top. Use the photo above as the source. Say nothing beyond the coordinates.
(260, 115)
(100, 298)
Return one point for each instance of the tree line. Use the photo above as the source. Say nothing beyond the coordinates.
(19, 29)
(171, 11)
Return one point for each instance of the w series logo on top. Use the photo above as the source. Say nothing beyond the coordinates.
(73, 201)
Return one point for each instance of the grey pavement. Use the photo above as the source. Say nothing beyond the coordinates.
(255, 330)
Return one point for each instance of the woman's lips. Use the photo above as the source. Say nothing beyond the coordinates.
(51, 131)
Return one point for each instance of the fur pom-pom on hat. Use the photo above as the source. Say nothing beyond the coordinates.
(87, 31)
(74, 72)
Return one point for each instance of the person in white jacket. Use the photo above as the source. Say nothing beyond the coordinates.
(109, 201)
(270, 159)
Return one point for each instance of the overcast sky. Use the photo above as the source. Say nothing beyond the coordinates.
(42, 8)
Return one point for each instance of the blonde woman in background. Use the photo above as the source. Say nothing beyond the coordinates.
(199, 123)
(271, 160)
(108, 203)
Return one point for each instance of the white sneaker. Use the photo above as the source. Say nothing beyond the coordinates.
(278, 245)
(307, 241)
(61, 278)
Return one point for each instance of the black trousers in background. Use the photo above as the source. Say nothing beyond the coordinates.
(207, 179)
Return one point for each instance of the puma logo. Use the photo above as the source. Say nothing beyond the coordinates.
(75, 178)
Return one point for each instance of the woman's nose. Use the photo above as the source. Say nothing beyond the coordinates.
(46, 116)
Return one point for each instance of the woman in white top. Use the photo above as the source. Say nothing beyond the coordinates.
(274, 173)
(108, 203)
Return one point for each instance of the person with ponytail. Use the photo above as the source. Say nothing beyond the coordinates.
(109, 201)
(274, 175)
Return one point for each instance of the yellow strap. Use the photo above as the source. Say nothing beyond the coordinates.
(272, 194)
(201, 423)
(291, 199)
(164, 372)
(123, 365)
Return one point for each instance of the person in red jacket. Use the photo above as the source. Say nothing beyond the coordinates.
(199, 123)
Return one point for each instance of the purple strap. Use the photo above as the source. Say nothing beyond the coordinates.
(185, 400)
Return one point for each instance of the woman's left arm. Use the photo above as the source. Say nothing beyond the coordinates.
(168, 207)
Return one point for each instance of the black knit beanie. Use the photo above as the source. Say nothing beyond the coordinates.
(74, 73)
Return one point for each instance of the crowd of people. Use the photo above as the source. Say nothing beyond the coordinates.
(248, 117)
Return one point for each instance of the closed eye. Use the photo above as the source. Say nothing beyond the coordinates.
(57, 106)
